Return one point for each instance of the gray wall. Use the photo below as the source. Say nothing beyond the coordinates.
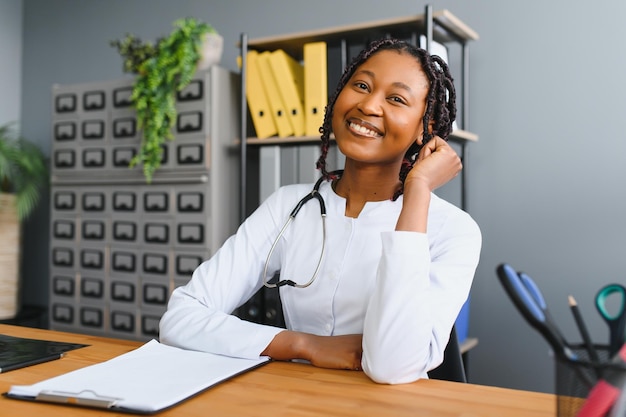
(11, 62)
(547, 96)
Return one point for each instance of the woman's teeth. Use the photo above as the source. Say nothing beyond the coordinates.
(363, 130)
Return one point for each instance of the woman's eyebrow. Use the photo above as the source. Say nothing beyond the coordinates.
(403, 86)
(397, 84)
(366, 72)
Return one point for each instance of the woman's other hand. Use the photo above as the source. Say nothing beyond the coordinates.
(336, 352)
(437, 163)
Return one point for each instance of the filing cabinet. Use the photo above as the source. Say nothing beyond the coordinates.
(119, 246)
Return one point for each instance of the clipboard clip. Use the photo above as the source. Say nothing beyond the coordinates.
(87, 398)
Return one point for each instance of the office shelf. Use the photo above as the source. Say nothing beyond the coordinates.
(448, 28)
(441, 26)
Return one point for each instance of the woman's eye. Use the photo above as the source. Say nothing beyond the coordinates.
(361, 85)
(397, 100)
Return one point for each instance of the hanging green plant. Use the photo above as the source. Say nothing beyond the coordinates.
(162, 69)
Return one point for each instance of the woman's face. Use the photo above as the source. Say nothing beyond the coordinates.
(378, 114)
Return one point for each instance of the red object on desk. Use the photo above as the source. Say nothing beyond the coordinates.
(606, 392)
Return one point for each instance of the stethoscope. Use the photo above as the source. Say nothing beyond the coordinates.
(314, 194)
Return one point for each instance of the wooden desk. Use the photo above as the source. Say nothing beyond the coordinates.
(281, 389)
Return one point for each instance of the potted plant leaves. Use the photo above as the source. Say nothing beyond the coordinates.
(161, 70)
(23, 179)
(23, 171)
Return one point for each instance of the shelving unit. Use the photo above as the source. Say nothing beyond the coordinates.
(441, 26)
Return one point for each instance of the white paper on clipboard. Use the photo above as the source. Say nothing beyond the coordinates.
(146, 380)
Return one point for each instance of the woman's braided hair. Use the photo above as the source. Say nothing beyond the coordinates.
(440, 102)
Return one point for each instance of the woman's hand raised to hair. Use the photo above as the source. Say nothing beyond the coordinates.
(437, 163)
(337, 352)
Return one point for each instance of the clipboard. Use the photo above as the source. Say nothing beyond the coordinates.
(146, 380)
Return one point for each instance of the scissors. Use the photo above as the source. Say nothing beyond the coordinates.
(615, 321)
(530, 302)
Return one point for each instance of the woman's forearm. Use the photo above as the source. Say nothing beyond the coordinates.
(414, 214)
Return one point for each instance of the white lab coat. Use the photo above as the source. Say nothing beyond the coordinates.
(401, 290)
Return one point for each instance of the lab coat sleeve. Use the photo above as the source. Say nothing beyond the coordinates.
(422, 282)
(198, 315)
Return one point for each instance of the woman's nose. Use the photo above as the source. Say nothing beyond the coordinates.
(371, 105)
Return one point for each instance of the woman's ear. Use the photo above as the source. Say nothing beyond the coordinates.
(420, 138)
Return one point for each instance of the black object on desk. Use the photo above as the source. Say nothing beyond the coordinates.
(19, 352)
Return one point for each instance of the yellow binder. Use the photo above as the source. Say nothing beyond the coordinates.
(279, 111)
(315, 86)
(289, 76)
(260, 110)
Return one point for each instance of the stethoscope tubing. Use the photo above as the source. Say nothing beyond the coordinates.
(314, 194)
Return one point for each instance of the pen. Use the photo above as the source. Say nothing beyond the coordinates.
(593, 355)
(31, 362)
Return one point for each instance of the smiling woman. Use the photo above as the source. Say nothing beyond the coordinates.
(396, 262)
(380, 102)
(420, 84)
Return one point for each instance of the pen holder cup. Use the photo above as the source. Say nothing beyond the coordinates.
(576, 378)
